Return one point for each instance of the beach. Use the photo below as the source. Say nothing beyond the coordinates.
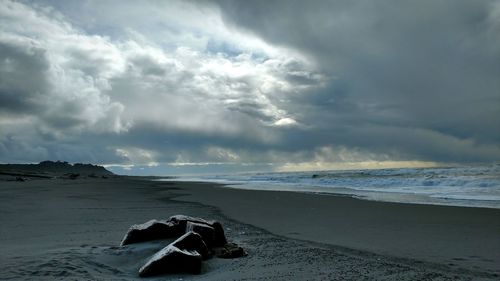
(71, 229)
(249, 140)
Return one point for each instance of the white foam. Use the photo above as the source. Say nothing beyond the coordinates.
(464, 186)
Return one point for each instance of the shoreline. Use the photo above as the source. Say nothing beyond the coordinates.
(461, 236)
(71, 229)
(377, 196)
(322, 193)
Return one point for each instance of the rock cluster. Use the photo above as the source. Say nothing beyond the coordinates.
(196, 240)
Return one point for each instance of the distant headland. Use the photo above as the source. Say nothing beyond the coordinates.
(52, 169)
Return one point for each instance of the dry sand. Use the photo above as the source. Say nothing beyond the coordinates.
(70, 229)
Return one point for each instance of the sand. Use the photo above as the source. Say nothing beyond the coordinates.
(468, 237)
(71, 229)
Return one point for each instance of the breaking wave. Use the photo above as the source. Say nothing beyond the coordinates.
(477, 186)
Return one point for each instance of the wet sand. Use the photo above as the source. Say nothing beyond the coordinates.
(462, 236)
(70, 229)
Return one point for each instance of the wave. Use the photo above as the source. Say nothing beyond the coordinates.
(464, 186)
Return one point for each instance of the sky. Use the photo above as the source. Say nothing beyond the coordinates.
(172, 87)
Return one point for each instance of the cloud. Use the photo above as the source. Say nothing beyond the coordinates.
(396, 67)
(266, 84)
(19, 61)
(51, 71)
(110, 86)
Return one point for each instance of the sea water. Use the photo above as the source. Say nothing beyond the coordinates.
(477, 186)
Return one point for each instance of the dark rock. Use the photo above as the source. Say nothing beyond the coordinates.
(172, 260)
(151, 230)
(181, 221)
(184, 255)
(193, 242)
(220, 238)
(197, 239)
(20, 179)
(206, 231)
(175, 227)
(230, 251)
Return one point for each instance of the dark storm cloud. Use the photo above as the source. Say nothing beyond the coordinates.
(22, 78)
(257, 83)
(406, 74)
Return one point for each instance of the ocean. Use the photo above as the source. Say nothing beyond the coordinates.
(473, 186)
